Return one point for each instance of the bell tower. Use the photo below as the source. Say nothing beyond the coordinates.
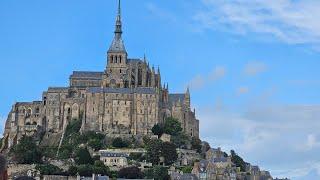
(116, 57)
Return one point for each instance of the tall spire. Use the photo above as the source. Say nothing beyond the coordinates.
(118, 30)
(117, 44)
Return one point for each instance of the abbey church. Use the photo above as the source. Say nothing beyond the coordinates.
(126, 98)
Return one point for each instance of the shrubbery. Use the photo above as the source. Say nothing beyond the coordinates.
(157, 173)
(26, 152)
(156, 149)
(119, 143)
(130, 173)
(48, 169)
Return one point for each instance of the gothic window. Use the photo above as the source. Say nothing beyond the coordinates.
(37, 110)
(120, 59)
(111, 59)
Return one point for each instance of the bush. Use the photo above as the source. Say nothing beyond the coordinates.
(172, 126)
(26, 152)
(100, 168)
(181, 140)
(196, 144)
(154, 148)
(74, 126)
(119, 143)
(85, 170)
(48, 169)
(83, 157)
(157, 130)
(169, 152)
(187, 169)
(137, 157)
(157, 173)
(130, 173)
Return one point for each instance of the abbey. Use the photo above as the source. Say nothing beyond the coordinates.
(126, 98)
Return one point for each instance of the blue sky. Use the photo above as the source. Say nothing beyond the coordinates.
(252, 66)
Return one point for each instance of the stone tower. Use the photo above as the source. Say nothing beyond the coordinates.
(116, 58)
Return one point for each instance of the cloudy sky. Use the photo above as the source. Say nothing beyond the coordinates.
(252, 65)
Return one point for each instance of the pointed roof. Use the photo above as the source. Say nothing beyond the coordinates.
(117, 44)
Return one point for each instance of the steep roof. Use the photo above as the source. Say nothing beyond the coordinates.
(86, 75)
(117, 45)
(173, 98)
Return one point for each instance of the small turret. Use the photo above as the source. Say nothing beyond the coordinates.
(187, 99)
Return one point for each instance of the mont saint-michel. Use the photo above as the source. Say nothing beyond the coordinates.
(127, 97)
(120, 122)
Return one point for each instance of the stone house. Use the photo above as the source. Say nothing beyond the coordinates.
(113, 159)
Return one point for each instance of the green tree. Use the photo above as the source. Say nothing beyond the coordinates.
(172, 126)
(73, 127)
(238, 161)
(26, 152)
(100, 168)
(154, 148)
(83, 157)
(130, 173)
(157, 130)
(169, 152)
(48, 169)
(85, 170)
(196, 144)
(187, 169)
(119, 143)
(157, 173)
(180, 140)
(73, 170)
(96, 144)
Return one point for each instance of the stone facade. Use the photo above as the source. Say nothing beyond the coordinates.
(126, 98)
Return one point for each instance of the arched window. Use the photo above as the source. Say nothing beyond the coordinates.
(120, 59)
(111, 59)
(120, 69)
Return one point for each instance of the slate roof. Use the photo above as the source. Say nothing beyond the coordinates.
(58, 89)
(175, 98)
(134, 61)
(86, 75)
(117, 45)
(141, 90)
(113, 154)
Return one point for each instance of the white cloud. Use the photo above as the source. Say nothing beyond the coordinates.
(217, 73)
(254, 68)
(290, 21)
(199, 81)
(242, 90)
(268, 136)
(312, 142)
